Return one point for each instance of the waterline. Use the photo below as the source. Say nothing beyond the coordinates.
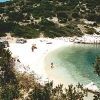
(73, 64)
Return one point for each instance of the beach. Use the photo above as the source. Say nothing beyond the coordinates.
(34, 61)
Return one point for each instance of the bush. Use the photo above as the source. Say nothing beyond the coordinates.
(75, 15)
(9, 88)
(97, 66)
(6, 26)
(91, 31)
(26, 32)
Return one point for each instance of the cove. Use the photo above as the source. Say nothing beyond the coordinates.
(73, 64)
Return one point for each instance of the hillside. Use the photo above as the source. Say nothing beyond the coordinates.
(52, 18)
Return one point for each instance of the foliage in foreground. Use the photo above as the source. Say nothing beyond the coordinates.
(8, 80)
(97, 66)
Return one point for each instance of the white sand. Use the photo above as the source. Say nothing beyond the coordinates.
(88, 39)
(34, 61)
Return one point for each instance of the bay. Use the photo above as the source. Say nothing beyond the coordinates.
(73, 64)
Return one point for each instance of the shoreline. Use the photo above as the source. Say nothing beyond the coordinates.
(34, 61)
(62, 74)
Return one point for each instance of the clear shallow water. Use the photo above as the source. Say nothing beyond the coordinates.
(73, 64)
(4, 0)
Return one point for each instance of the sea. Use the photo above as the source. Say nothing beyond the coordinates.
(4, 0)
(73, 64)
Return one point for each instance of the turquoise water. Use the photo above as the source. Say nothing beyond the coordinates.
(4, 0)
(74, 64)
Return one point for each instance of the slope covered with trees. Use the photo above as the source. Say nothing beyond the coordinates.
(53, 18)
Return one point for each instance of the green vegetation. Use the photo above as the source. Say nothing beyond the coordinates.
(97, 66)
(8, 81)
(6, 27)
(28, 18)
(91, 31)
(25, 31)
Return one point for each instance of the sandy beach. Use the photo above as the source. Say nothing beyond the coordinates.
(34, 61)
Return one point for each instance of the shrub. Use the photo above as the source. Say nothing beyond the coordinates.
(90, 31)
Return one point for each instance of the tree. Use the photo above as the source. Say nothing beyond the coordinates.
(16, 16)
(74, 94)
(91, 31)
(62, 17)
(91, 17)
(8, 81)
(42, 92)
(95, 24)
(97, 66)
(6, 27)
(98, 18)
(96, 96)
(75, 15)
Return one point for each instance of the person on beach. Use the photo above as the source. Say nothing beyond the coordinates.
(32, 48)
(52, 66)
(18, 60)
